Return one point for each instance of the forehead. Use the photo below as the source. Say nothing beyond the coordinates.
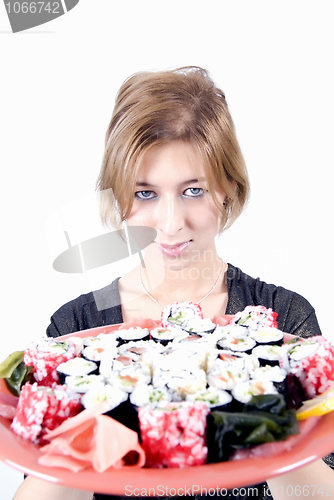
(175, 161)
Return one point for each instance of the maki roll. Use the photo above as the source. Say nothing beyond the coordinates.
(133, 334)
(76, 366)
(166, 335)
(237, 344)
(82, 384)
(144, 395)
(276, 375)
(42, 408)
(174, 435)
(189, 355)
(183, 382)
(179, 313)
(214, 398)
(267, 335)
(130, 377)
(226, 376)
(312, 362)
(200, 326)
(255, 316)
(121, 362)
(45, 356)
(119, 409)
(244, 392)
(242, 361)
(234, 330)
(97, 352)
(267, 354)
(103, 392)
(141, 350)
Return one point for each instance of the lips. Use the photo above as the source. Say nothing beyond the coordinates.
(173, 250)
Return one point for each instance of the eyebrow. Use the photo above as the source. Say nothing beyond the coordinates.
(191, 181)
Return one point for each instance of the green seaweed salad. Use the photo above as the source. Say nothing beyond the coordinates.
(263, 420)
(15, 372)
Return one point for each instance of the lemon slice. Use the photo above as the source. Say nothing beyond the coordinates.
(320, 405)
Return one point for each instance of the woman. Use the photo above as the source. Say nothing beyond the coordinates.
(172, 162)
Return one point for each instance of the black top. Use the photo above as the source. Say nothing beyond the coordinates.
(102, 307)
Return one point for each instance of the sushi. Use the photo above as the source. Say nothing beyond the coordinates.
(76, 366)
(255, 316)
(45, 356)
(174, 435)
(179, 313)
(133, 334)
(180, 364)
(43, 408)
(312, 362)
(167, 335)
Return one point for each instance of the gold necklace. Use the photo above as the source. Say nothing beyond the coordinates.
(205, 296)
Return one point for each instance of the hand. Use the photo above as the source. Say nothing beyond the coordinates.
(33, 488)
(314, 480)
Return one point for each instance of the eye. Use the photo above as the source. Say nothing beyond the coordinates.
(144, 195)
(194, 192)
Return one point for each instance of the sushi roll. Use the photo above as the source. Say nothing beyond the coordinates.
(244, 392)
(76, 366)
(242, 361)
(188, 355)
(237, 344)
(226, 376)
(234, 331)
(127, 414)
(133, 334)
(103, 392)
(182, 356)
(183, 382)
(267, 335)
(200, 326)
(42, 408)
(255, 316)
(97, 352)
(275, 374)
(92, 341)
(103, 339)
(179, 313)
(122, 362)
(312, 362)
(45, 356)
(142, 351)
(144, 395)
(174, 435)
(214, 398)
(82, 384)
(167, 335)
(130, 377)
(267, 354)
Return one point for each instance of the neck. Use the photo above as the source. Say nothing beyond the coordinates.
(167, 285)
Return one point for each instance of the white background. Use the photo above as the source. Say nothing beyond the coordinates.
(274, 61)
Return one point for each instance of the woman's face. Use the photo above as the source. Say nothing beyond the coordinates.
(171, 197)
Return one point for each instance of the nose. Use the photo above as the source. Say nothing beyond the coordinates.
(171, 217)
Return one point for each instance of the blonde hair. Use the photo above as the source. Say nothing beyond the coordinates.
(152, 108)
